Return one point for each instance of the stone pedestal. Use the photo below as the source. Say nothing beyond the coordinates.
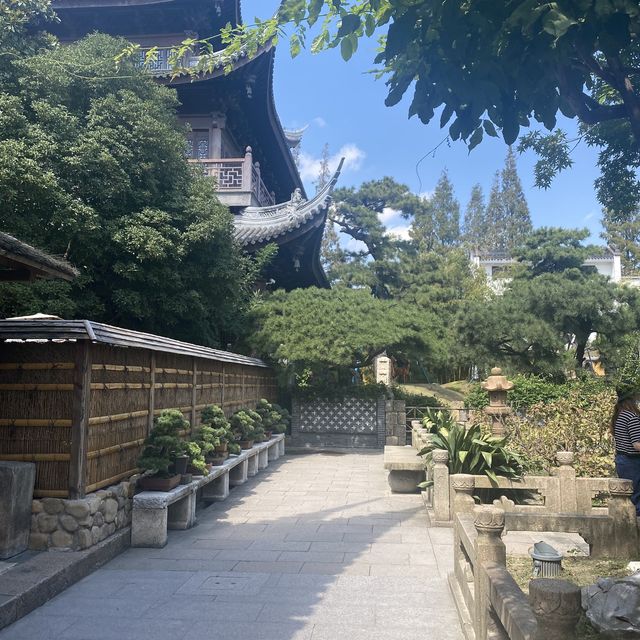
(182, 514)
(252, 468)
(149, 528)
(556, 606)
(17, 480)
(238, 475)
(263, 459)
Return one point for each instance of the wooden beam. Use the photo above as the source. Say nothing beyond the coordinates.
(194, 393)
(80, 420)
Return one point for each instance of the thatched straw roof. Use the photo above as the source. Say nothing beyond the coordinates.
(22, 262)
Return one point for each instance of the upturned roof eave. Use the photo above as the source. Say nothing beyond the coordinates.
(257, 226)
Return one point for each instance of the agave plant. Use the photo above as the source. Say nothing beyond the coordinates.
(474, 452)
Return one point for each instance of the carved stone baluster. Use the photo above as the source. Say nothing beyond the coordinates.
(463, 486)
(556, 606)
(489, 548)
(567, 478)
(624, 520)
(440, 471)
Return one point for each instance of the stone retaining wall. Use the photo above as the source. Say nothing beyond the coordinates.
(349, 423)
(62, 524)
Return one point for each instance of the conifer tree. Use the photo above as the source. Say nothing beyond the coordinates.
(494, 216)
(517, 219)
(438, 223)
(622, 232)
(475, 226)
(507, 216)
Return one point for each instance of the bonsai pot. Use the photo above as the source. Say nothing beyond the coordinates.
(193, 471)
(221, 448)
(246, 444)
(153, 483)
(186, 478)
(181, 464)
(268, 435)
(216, 462)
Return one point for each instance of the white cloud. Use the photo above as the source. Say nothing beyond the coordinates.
(353, 158)
(388, 214)
(591, 214)
(319, 121)
(426, 195)
(401, 232)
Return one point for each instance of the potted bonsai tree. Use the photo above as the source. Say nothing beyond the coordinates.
(215, 419)
(244, 426)
(283, 423)
(197, 465)
(161, 448)
(274, 417)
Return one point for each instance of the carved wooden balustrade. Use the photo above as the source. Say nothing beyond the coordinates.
(240, 175)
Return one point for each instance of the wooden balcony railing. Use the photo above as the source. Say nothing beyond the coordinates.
(239, 175)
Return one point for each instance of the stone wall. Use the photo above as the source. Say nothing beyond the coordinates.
(62, 524)
(350, 423)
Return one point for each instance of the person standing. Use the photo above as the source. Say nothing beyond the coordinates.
(625, 427)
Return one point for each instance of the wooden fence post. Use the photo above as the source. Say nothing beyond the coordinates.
(222, 399)
(152, 393)
(80, 419)
(194, 393)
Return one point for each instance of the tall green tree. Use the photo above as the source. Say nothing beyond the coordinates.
(331, 331)
(438, 223)
(622, 232)
(517, 219)
(475, 219)
(507, 216)
(552, 302)
(92, 167)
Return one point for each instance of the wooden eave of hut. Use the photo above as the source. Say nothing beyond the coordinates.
(20, 262)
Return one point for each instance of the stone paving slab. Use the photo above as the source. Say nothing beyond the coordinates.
(316, 547)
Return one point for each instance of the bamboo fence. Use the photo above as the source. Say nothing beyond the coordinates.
(80, 410)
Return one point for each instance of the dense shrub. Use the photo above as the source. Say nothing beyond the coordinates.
(415, 399)
(532, 390)
(577, 421)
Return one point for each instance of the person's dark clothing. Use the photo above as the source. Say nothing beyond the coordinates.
(626, 432)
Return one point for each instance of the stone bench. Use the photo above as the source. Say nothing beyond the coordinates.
(156, 511)
(406, 468)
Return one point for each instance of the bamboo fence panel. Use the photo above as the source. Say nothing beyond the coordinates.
(127, 388)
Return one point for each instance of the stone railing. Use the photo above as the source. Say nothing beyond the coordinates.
(560, 492)
(240, 175)
(490, 604)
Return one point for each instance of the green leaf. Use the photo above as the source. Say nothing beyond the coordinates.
(476, 139)
(346, 48)
(348, 25)
(489, 128)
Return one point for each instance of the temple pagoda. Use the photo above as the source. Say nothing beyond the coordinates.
(235, 134)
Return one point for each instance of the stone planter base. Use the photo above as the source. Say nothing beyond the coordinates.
(405, 481)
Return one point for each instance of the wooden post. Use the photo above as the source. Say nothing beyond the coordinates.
(194, 393)
(222, 392)
(152, 393)
(242, 389)
(80, 419)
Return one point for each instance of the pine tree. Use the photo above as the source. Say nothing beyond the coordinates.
(475, 224)
(438, 223)
(622, 232)
(494, 235)
(517, 219)
(324, 173)
(508, 221)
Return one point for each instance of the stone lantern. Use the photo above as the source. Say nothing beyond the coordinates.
(497, 385)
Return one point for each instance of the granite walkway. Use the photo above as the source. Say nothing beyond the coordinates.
(315, 547)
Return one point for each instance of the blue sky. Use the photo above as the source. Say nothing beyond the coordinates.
(344, 107)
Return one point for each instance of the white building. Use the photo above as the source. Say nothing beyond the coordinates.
(495, 265)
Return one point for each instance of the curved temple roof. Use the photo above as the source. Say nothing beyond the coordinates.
(259, 225)
(294, 136)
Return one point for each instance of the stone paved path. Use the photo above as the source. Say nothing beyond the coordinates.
(315, 547)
